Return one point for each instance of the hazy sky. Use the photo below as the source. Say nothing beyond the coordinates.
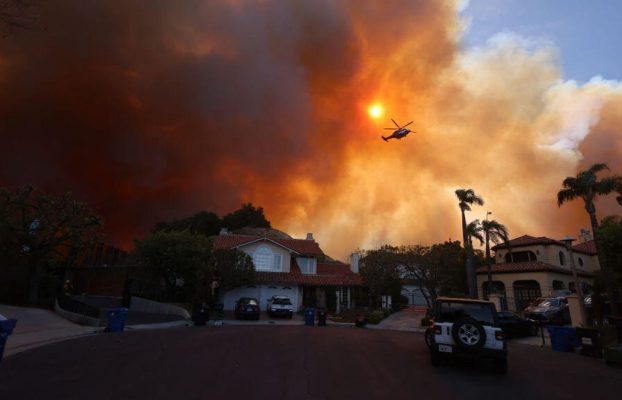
(154, 110)
(587, 33)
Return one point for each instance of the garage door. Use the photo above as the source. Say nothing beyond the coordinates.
(233, 295)
(268, 291)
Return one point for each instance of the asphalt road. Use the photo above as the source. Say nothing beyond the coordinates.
(288, 362)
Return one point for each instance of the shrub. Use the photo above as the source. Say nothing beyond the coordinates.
(376, 316)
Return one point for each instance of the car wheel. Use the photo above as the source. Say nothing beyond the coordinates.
(500, 365)
(468, 334)
(290, 315)
(429, 338)
(533, 330)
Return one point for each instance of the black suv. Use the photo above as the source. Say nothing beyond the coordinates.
(466, 328)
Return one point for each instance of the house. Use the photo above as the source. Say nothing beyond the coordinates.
(297, 268)
(532, 267)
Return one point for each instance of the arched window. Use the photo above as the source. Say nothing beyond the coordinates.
(562, 258)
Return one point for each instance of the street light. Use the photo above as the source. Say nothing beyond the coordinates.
(568, 242)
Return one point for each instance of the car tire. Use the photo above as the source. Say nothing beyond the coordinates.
(533, 330)
(468, 334)
(290, 315)
(429, 338)
(500, 365)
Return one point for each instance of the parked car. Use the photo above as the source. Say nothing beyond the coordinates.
(549, 310)
(515, 326)
(247, 307)
(467, 328)
(280, 305)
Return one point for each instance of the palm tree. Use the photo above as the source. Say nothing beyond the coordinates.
(498, 233)
(587, 186)
(467, 197)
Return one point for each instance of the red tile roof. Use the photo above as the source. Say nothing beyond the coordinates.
(299, 246)
(328, 274)
(588, 247)
(527, 240)
(531, 266)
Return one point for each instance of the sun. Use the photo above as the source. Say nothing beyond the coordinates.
(375, 111)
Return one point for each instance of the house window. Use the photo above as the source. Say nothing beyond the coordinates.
(308, 265)
(520, 256)
(562, 258)
(265, 260)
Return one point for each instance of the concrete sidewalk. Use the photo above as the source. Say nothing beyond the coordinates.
(37, 327)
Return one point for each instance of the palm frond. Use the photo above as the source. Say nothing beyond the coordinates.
(594, 169)
(565, 195)
(607, 185)
(474, 230)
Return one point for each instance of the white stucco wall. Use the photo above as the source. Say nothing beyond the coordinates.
(285, 254)
(550, 255)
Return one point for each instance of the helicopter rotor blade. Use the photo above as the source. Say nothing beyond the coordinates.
(408, 124)
(390, 129)
(398, 127)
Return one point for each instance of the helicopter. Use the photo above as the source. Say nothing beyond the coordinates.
(398, 133)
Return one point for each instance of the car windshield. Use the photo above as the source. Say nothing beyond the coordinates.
(549, 303)
(251, 302)
(452, 312)
(284, 302)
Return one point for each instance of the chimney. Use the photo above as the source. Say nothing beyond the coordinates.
(309, 236)
(354, 262)
(224, 231)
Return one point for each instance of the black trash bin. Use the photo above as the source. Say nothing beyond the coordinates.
(200, 314)
(321, 318)
(591, 342)
(6, 329)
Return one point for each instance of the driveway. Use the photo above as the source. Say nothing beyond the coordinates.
(408, 319)
(288, 362)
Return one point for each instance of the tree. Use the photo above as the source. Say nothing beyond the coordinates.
(17, 14)
(231, 268)
(467, 197)
(379, 270)
(179, 260)
(619, 191)
(587, 187)
(610, 245)
(41, 230)
(486, 231)
(247, 215)
(204, 223)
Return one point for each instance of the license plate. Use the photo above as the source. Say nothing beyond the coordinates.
(444, 348)
(587, 341)
(249, 309)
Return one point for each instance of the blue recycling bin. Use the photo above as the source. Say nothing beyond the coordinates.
(310, 317)
(116, 319)
(6, 329)
(563, 338)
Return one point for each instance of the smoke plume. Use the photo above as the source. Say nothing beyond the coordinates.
(156, 110)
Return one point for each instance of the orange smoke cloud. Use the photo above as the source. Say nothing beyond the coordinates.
(152, 113)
